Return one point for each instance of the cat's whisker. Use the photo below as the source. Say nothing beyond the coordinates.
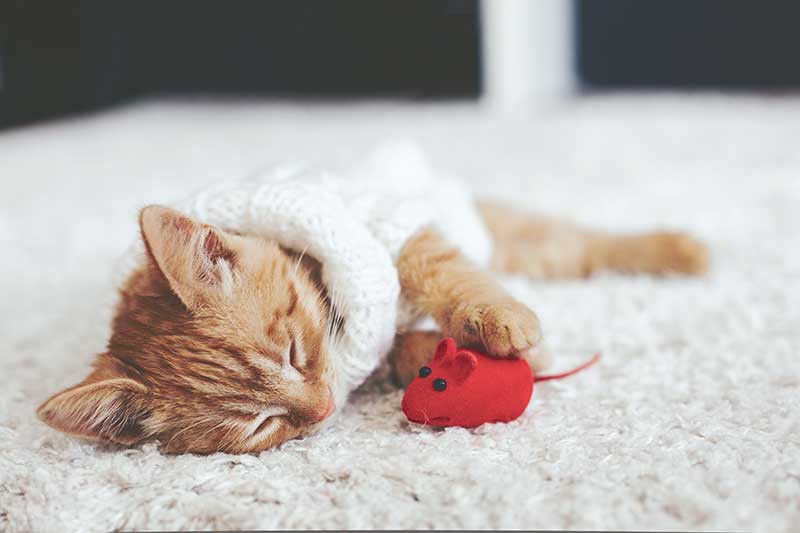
(211, 429)
(198, 422)
(299, 261)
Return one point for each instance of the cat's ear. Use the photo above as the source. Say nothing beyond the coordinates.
(462, 366)
(198, 260)
(445, 348)
(109, 410)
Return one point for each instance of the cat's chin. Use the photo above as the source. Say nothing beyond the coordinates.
(323, 425)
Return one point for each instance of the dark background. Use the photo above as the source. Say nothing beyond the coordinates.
(71, 56)
(688, 43)
(74, 55)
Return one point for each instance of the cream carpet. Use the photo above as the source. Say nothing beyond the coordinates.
(690, 422)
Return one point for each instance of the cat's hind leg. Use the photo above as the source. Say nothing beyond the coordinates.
(411, 351)
(414, 349)
(545, 248)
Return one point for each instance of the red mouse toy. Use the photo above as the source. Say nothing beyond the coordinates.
(466, 388)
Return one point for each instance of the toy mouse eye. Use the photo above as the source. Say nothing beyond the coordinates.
(424, 372)
(439, 384)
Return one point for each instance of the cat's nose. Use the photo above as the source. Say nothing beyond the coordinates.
(331, 407)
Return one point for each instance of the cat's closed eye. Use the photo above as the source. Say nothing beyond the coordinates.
(297, 357)
(268, 420)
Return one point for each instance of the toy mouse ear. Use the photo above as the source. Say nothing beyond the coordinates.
(462, 366)
(445, 348)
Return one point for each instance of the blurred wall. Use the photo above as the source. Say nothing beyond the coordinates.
(74, 55)
(78, 55)
(726, 44)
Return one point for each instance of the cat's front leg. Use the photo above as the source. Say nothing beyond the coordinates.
(466, 301)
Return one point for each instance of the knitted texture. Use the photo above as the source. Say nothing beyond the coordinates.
(354, 220)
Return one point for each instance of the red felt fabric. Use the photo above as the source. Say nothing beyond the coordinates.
(479, 388)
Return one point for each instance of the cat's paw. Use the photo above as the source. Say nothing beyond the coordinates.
(660, 253)
(681, 253)
(504, 329)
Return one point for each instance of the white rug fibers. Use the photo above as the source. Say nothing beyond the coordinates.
(690, 422)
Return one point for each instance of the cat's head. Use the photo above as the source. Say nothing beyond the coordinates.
(220, 343)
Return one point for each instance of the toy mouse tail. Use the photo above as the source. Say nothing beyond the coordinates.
(568, 373)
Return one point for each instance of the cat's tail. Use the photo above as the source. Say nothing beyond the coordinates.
(568, 373)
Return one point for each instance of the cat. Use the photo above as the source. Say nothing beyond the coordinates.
(221, 340)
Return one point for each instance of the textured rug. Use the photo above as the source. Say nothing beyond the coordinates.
(690, 422)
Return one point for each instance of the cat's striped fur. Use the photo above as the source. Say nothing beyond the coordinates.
(221, 341)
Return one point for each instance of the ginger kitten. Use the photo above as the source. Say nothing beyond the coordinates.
(222, 341)
(219, 343)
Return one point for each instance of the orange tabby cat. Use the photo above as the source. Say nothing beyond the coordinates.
(221, 341)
